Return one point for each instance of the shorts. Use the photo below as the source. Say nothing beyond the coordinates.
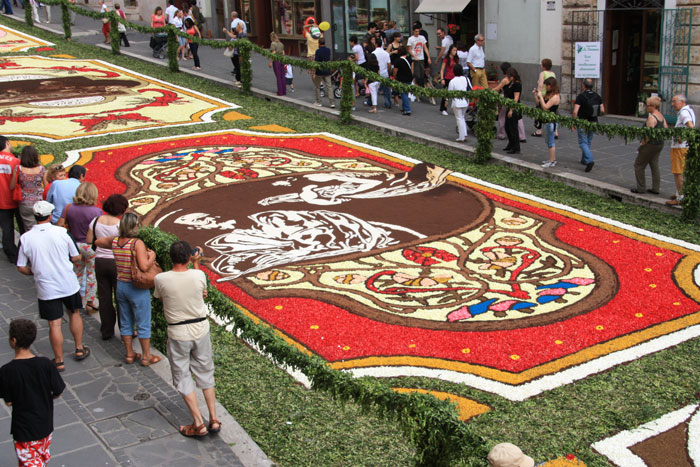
(289, 81)
(189, 358)
(51, 310)
(33, 453)
(678, 160)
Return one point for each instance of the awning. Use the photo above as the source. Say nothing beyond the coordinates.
(442, 6)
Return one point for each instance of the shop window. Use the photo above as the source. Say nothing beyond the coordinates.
(246, 13)
(290, 15)
(400, 13)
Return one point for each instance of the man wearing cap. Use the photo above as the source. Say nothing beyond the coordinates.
(509, 455)
(8, 208)
(47, 252)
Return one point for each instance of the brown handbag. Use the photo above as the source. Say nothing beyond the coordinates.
(143, 279)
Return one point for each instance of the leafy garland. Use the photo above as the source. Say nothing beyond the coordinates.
(488, 100)
(431, 424)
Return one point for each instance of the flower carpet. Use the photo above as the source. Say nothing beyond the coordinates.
(12, 40)
(673, 439)
(385, 266)
(60, 99)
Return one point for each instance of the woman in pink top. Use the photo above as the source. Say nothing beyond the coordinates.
(193, 30)
(157, 18)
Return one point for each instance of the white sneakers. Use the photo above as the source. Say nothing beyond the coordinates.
(547, 164)
(444, 112)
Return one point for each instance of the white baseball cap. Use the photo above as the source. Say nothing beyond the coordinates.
(509, 455)
(43, 208)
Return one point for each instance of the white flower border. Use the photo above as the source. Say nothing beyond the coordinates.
(511, 392)
(616, 448)
(206, 118)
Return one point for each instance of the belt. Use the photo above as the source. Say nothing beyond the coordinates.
(188, 321)
(478, 68)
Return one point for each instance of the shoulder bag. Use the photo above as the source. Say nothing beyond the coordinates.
(17, 191)
(143, 279)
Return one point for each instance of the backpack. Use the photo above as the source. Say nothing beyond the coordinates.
(591, 106)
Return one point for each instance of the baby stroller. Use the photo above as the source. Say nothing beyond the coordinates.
(159, 44)
(337, 81)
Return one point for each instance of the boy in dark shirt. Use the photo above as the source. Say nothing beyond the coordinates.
(29, 384)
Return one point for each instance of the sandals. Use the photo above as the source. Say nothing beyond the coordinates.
(151, 361)
(192, 431)
(534, 133)
(60, 366)
(211, 428)
(91, 309)
(129, 359)
(82, 354)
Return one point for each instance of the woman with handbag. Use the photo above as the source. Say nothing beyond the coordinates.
(30, 175)
(76, 217)
(132, 257)
(107, 225)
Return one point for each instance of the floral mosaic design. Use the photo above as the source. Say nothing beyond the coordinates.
(386, 267)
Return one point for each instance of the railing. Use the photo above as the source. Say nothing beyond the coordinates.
(488, 101)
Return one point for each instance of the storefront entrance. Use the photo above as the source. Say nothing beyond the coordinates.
(351, 17)
(645, 51)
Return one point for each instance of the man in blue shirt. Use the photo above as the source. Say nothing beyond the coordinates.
(323, 54)
(62, 192)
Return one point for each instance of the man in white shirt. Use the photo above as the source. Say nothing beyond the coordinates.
(445, 43)
(384, 60)
(183, 292)
(170, 11)
(679, 148)
(47, 252)
(235, 21)
(477, 61)
(417, 49)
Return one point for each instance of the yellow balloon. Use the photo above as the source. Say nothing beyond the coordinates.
(324, 26)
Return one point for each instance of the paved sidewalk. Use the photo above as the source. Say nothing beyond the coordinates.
(113, 414)
(612, 176)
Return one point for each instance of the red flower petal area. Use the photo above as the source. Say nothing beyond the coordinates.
(647, 295)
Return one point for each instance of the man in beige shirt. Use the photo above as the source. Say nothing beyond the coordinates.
(189, 346)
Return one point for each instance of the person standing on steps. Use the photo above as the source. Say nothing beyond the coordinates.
(588, 106)
(679, 148)
(47, 252)
(183, 291)
(550, 101)
(650, 149)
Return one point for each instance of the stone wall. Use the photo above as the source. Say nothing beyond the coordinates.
(567, 59)
(694, 79)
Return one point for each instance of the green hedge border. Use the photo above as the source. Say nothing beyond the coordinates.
(431, 424)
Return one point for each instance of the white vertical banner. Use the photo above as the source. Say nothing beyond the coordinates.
(587, 60)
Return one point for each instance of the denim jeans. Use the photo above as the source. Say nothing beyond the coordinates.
(405, 103)
(134, 310)
(387, 95)
(585, 139)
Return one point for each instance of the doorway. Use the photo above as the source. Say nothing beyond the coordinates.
(632, 39)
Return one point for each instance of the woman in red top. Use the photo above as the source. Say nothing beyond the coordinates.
(193, 30)
(447, 73)
(157, 18)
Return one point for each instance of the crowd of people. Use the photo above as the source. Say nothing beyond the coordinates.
(85, 259)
